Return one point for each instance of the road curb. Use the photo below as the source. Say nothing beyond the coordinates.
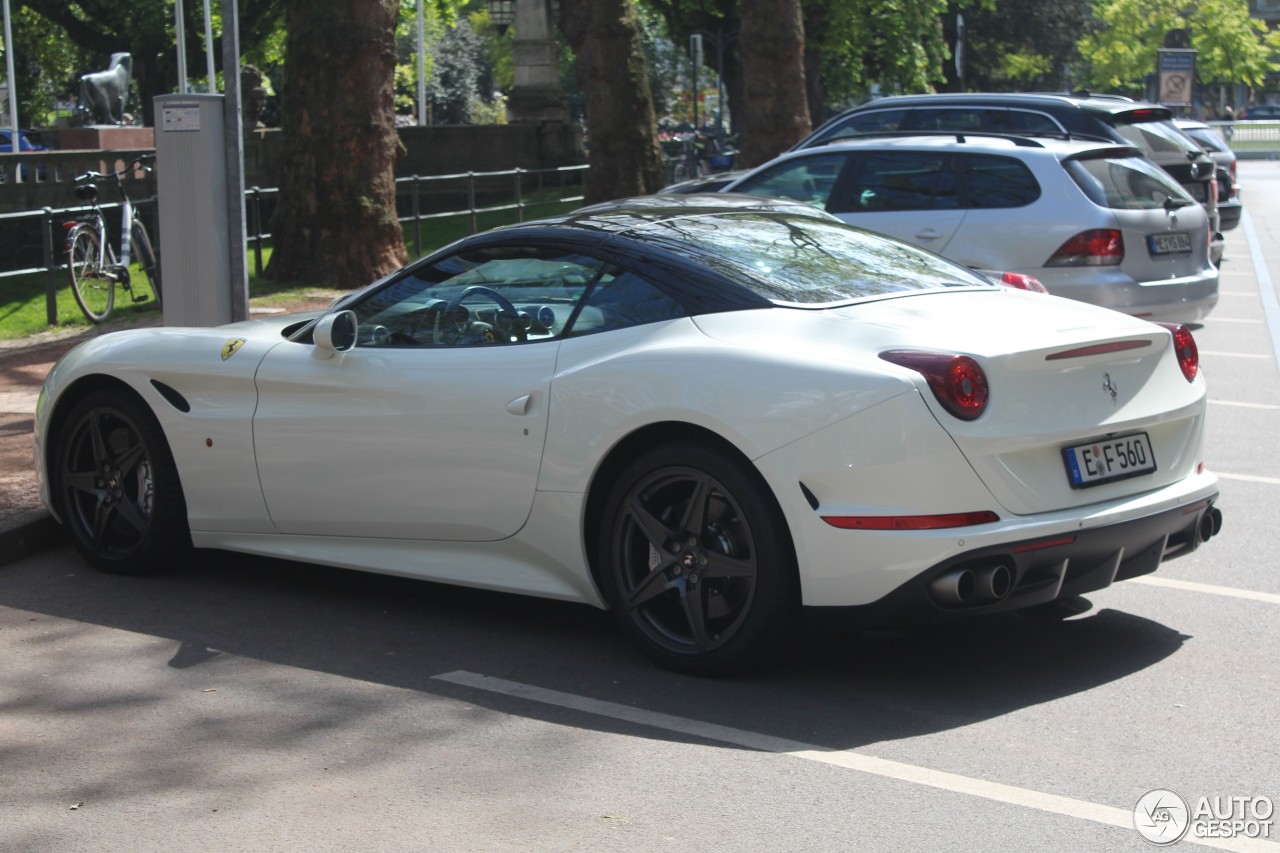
(34, 532)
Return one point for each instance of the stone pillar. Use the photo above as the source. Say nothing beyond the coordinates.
(536, 96)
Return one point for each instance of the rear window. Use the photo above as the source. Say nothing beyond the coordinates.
(1158, 139)
(804, 261)
(1208, 138)
(1123, 183)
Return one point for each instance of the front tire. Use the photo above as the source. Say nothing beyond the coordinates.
(117, 487)
(93, 288)
(695, 560)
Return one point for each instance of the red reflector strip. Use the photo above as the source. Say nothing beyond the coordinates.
(1195, 507)
(1048, 543)
(910, 522)
(1097, 349)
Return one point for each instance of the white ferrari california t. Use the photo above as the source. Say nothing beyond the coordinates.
(722, 418)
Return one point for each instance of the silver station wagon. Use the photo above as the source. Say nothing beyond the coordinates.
(1092, 221)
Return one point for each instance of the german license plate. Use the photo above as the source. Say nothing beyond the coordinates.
(1169, 244)
(1109, 460)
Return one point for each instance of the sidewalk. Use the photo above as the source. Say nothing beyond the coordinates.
(25, 525)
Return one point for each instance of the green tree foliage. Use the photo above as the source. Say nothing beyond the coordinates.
(1121, 51)
(897, 44)
(47, 65)
(146, 29)
(458, 70)
(1018, 45)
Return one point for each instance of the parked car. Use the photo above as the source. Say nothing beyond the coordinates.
(1229, 205)
(713, 417)
(1108, 118)
(1092, 221)
(24, 145)
(1260, 112)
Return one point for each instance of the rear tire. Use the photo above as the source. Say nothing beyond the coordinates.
(146, 255)
(94, 290)
(116, 486)
(696, 562)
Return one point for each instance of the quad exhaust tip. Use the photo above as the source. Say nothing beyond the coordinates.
(983, 585)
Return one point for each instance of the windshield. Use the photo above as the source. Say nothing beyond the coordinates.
(805, 261)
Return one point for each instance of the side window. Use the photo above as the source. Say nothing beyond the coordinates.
(620, 300)
(872, 121)
(499, 295)
(807, 179)
(995, 181)
(901, 180)
(992, 119)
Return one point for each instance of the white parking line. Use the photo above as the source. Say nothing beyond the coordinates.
(1249, 320)
(1270, 305)
(1266, 406)
(848, 759)
(1217, 354)
(1211, 589)
(1248, 478)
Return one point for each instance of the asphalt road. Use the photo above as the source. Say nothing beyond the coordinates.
(248, 704)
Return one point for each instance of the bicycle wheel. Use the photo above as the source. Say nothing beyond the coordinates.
(146, 257)
(92, 287)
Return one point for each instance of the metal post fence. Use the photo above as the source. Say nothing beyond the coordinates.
(525, 195)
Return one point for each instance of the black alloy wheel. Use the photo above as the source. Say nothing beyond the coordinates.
(696, 562)
(116, 486)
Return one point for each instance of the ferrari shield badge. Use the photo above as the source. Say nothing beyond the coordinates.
(231, 347)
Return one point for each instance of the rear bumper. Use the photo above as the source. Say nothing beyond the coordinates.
(1182, 300)
(1229, 212)
(1039, 570)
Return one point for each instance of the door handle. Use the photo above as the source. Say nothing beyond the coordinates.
(520, 405)
(927, 234)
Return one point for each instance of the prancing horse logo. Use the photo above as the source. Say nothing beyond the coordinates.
(1110, 387)
(230, 347)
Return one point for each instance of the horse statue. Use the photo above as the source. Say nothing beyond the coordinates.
(103, 94)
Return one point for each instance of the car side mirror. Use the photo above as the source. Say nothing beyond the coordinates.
(334, 333)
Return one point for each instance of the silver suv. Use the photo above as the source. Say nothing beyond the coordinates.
(1093, 221)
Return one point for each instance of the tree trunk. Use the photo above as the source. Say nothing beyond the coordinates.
(815, 21)
(772, 48)
(622, 131)
(335, 223)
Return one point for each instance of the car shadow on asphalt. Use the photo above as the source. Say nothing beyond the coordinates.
(839, 691)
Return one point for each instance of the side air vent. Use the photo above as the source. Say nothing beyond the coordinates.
(175, 399)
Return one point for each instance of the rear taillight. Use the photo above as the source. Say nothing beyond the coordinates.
(1184, 347)
(957, 381)
(1101, 247)
(1018, 281)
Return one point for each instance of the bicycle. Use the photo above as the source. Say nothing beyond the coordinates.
(93, 265)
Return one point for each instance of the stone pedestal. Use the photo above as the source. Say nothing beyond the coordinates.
(105, 137)
(536, 96)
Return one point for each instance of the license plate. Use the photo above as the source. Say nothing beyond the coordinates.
(1109, 460)
(1168, 244)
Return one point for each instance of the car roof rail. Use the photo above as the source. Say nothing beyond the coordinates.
(1020, 140)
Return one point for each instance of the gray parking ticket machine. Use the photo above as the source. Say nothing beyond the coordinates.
(195, 228)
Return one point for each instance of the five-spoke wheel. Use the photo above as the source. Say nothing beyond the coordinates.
(695, 560)
(116, 485)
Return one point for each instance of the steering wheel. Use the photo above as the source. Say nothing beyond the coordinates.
(444, 317)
